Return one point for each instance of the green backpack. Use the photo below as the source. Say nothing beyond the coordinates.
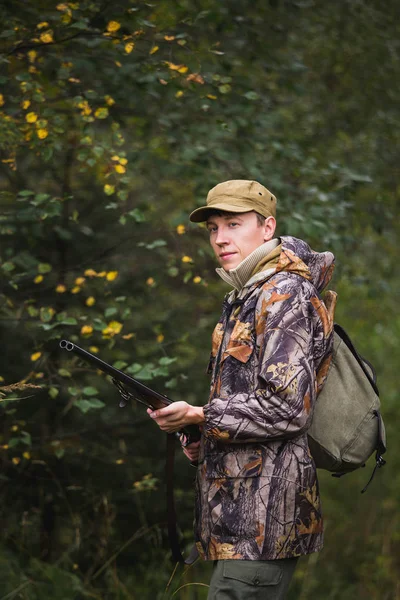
(347, 426)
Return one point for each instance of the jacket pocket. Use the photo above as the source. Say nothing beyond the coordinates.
(240, 344)
(234, 464)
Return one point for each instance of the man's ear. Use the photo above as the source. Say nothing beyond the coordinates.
(269, 228)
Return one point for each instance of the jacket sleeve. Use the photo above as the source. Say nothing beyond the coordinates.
(292, 334)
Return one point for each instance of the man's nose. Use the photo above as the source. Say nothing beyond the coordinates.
(221, 238)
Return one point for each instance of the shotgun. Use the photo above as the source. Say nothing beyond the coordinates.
(130, 388)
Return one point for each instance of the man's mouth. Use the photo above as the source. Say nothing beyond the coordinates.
(226, 255)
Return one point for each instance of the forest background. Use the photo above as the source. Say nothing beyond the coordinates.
(116, 119)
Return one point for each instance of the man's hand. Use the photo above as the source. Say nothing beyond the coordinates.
(192, 451)
(177, 415)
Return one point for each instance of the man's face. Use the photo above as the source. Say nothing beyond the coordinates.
(234, 237)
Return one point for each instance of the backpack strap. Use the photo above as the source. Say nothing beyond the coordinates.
(371, 376)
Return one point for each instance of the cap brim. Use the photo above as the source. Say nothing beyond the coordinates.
(201, 214)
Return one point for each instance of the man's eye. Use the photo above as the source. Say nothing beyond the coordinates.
(233, 224)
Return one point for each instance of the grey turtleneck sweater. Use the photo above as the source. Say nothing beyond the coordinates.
(240, 275)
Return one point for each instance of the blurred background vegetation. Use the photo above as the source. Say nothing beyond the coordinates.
(116, 119)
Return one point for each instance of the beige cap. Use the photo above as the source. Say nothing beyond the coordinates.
(237, 195)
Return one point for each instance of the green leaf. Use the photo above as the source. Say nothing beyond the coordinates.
(8, 267)
(46, 314)
(73, 391)
(53, 392)
(69, 321)
(26, 438)
(137, 215)
(59, 453)
(90, 391)
(85, 405)
(251, 95)
(32, 311)
(44, 268)
(165, 360)
(134, 369)
(120, 364)
(64, 373)
(225, 89)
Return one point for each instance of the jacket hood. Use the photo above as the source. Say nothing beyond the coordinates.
(297, 257)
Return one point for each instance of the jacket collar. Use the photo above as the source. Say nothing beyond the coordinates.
(241, 276)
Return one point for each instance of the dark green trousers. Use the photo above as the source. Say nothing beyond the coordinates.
(251, 579)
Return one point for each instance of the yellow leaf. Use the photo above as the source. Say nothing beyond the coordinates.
(26, 455)
(179, 94)
(42, 133)
(118, 63)
(123, 161)
(35, 356)
(90, 273)
(38, 279)
(32, 54)
(31, 117)
(93, 349)
(183, 69)
(1, 100)
(1, 378)
(160, 338)
(150, 281)
(154, 49)
(86, 330)
(109, 189)
(111, 275)
(90, 301)
(16, 460)
(120, 168)
(75, 290)
(101, 274)
(128, 336)
(172, 66)
(79, 280)
(196, 279)
(115, 326)
(119, 461)
(110, 101)
(39, 375)
(14, 428)
(181, 229)
(47, 37)
(169, 38)
(26, 104)
(211, 97)
(42, 25)
(101, 113)
(112, 328)
(113, 26)
(187, 259)
(129, 47)
(115, 158)
(60, 289)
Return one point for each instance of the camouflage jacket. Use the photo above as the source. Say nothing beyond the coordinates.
(257, 492)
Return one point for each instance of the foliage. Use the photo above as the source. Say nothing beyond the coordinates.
(116, 119)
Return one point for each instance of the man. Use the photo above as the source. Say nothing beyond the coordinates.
(257, 498)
